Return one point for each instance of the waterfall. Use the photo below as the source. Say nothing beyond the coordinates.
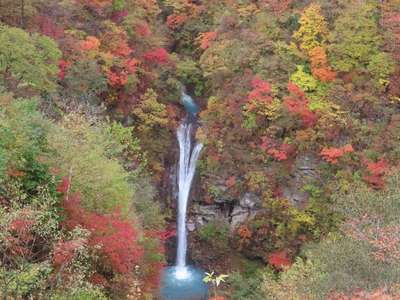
(183, 282)
(187, 167)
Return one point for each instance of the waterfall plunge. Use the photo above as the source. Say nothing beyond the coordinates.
(181, 282)
(187, 168)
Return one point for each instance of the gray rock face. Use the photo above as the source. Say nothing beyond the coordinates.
(248, 206)
(238, 216)
(305, 172)
(250, 200)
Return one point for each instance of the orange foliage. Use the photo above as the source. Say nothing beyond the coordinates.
(122, 49)
(332, 155)
(91, 43)
(205, 39)
(175, 21)
(115, 79)
(244, 232)
(375, 173)
(131, 65)
(320, 66)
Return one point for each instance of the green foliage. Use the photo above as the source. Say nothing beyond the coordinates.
(28, 59)
(118, 5)
(86, 293)
(190, 74)
(28, 279)
(85, 81)
(95, 172)
(304, 80)
(150, 112)
(213, 231)
(146, 205)
(355, 39)
(381, 66)
(215, 280)
(246, 288)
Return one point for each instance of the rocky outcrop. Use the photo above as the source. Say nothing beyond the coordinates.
(306, 171)
(232, 214)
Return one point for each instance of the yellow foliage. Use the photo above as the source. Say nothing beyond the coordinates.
(313, 29)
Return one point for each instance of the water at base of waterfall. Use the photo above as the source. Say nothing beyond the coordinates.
(190, 287)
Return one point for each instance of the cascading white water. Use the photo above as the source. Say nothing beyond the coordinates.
(187, 167)
(182, 282)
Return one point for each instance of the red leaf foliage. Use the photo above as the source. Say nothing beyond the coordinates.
(143, 30)
(279, 259)
(63, 66)
(64, 252)
(376, 172)
(131, 65)
(117, 238)
(117, 79)
(122, 49)
(158, 56)
(19, 242)
(278, 152)
(297, 103)
(261, 92)
(332, 155)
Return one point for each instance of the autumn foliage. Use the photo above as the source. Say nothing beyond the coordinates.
(332, 155)
(279, 259)
(375, 173)
(319, 65)
(116, 239)
(297, 104)
(205, 39)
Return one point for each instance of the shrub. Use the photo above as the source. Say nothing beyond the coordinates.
(213, 232)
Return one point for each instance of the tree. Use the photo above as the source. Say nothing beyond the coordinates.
(355, 39)
(313, 29)
(319, 65)
(28, 59)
